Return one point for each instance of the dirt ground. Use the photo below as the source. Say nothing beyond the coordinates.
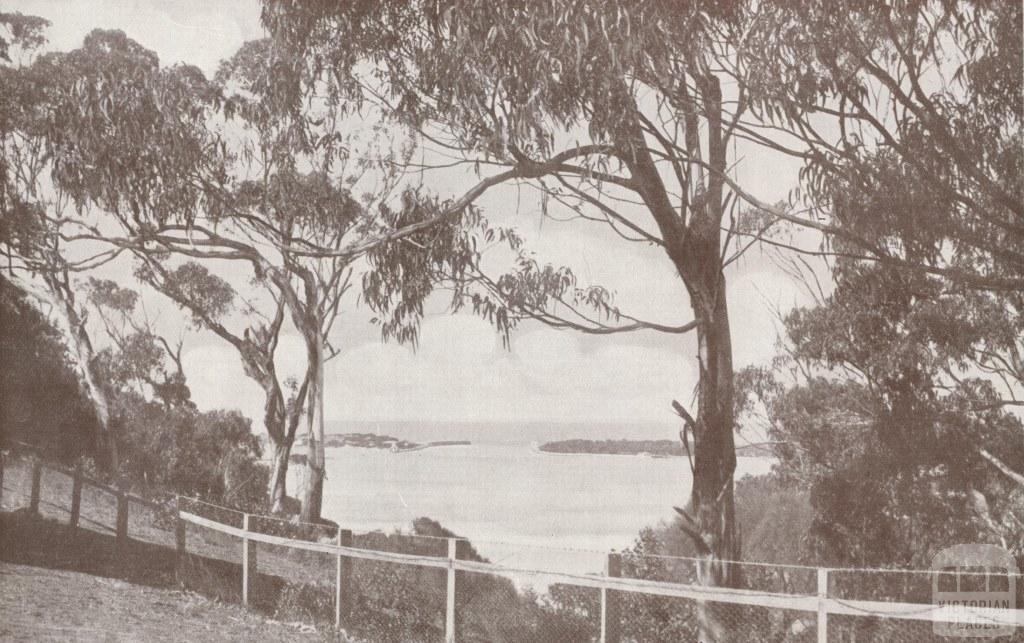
(59, 583)
(39, 604)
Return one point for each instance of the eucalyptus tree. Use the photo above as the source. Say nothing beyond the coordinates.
(168, 166)
(213, 304)
(898, 457)
(294, 195)
(99, 142)
(909, 121)
(614, 109)
(170, 196)
(135, 140)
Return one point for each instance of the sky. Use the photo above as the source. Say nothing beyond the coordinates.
(461, 371)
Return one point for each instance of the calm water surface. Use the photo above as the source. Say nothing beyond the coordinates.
(518, 506)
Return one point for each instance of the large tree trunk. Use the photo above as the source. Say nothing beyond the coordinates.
(694, 246)
(281, 422)
(281, 428)
(274, 421)
(711, 498)
(312, 499)
(308, 322)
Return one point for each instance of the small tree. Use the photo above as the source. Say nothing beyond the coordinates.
(167, 443)
(209, 299)
(140, 358)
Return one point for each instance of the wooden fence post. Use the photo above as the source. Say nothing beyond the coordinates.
(76, 496)
(822, 611)
(449, 612)
(37, 478)
(603, 637)
(122, 518)
(611, 618)
(343, 580)
(179, 541)
(248, 564)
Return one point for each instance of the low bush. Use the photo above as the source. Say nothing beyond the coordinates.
(210, 455)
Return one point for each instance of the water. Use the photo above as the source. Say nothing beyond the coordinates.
(517, 505)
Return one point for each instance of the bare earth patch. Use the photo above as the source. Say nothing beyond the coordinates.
(39, 604)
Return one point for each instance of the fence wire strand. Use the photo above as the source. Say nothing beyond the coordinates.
(505, 599)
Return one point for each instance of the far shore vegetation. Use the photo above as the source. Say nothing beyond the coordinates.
(653, 448)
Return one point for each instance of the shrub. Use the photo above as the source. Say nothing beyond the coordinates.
(209, 455)
(41, 402)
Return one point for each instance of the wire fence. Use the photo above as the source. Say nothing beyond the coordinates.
(379, 586)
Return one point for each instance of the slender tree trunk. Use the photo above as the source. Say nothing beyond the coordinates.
(82, 347)
(275, 419)
(277, 488)
(256, 348)
(281, 429)
(100, 404)
(313, 493)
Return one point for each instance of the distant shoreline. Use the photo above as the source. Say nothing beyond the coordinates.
(373, 441)
(648, 448)
(579, 446)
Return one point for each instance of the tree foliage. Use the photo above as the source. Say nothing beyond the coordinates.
(40, 401)
(899, 439)
(139, 359)
(909, 119)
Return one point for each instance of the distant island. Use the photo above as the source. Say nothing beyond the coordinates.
(652, 448)
(373, 441)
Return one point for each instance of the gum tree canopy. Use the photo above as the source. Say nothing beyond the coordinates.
(624, 112)
(909, 117)
(614, 109)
